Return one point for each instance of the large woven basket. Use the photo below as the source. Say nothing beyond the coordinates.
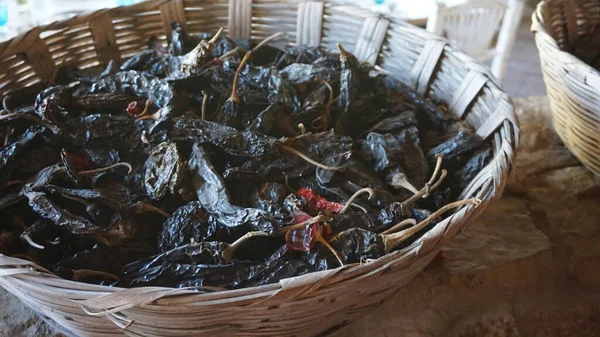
(572, 85)
(310, 305)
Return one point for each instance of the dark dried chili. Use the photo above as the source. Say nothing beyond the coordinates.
(223, 164)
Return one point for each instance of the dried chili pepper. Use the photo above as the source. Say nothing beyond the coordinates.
(231, 113)
(191, 165)
(349, 79)
(194, 60)
(318, 203)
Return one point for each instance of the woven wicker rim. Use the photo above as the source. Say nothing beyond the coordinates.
(430, 64)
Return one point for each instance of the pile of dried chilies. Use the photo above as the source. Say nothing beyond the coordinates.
(218, 163)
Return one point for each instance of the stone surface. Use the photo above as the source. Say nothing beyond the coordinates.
(516, 239)
(16, 320)
(529, 266)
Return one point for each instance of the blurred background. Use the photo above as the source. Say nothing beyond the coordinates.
(515, 63)
(17, 16)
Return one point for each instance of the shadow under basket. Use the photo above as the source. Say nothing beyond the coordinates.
(309, 305)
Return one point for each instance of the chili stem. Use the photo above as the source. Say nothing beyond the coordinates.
(436, 171)
(234, 90)
(104, 169)
(216, 37)
(155, 116)
(142, 207)
(322, 80)
(355, 195)
(228, 252)
(341, 49)
(147, 105)
(55, 242)
(204, 104)
(306, 158)
(15, 182)
(9, 133)
(424, 192)
(229, 53)
(322, 240)
(400, 225)
(403, 182)
(302, 128)
(391, 241)
(267, 40)
(5, 104)
(26, 237)
(318, 218)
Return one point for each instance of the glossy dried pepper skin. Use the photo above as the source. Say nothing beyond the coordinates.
(366, 221)
(102, 103)
(391, 155)
(277, 271)
(183, 267)
(16, 99)
(163, 171)
(233, 142)
(288, 166)
(395, 123)
(179, 275)
(232, 114)
(302, 239)
(136, 83)
(51, 103)
(70, 170)
(245, 181)
(103, 131)
(349, 80)
(27, 164)
(119, 230)
(106, 259)
(356, 245)
(269, 196)
(479, 159)
(277, 119)
(13, 150)
(463, 141)
(318, 203)
(428, 113)
(299, 73)
(189, 222)
(214, 197)
(189, 264)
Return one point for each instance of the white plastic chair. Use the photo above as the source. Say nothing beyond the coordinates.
(474, 25)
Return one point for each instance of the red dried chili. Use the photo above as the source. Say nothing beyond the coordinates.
(318, 203)
(302, 239)
(79, 161)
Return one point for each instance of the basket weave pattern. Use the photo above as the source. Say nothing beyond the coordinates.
(572, 85)
(309, 305)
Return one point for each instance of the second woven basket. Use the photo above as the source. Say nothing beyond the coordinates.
(572, 85)
(310, 305)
